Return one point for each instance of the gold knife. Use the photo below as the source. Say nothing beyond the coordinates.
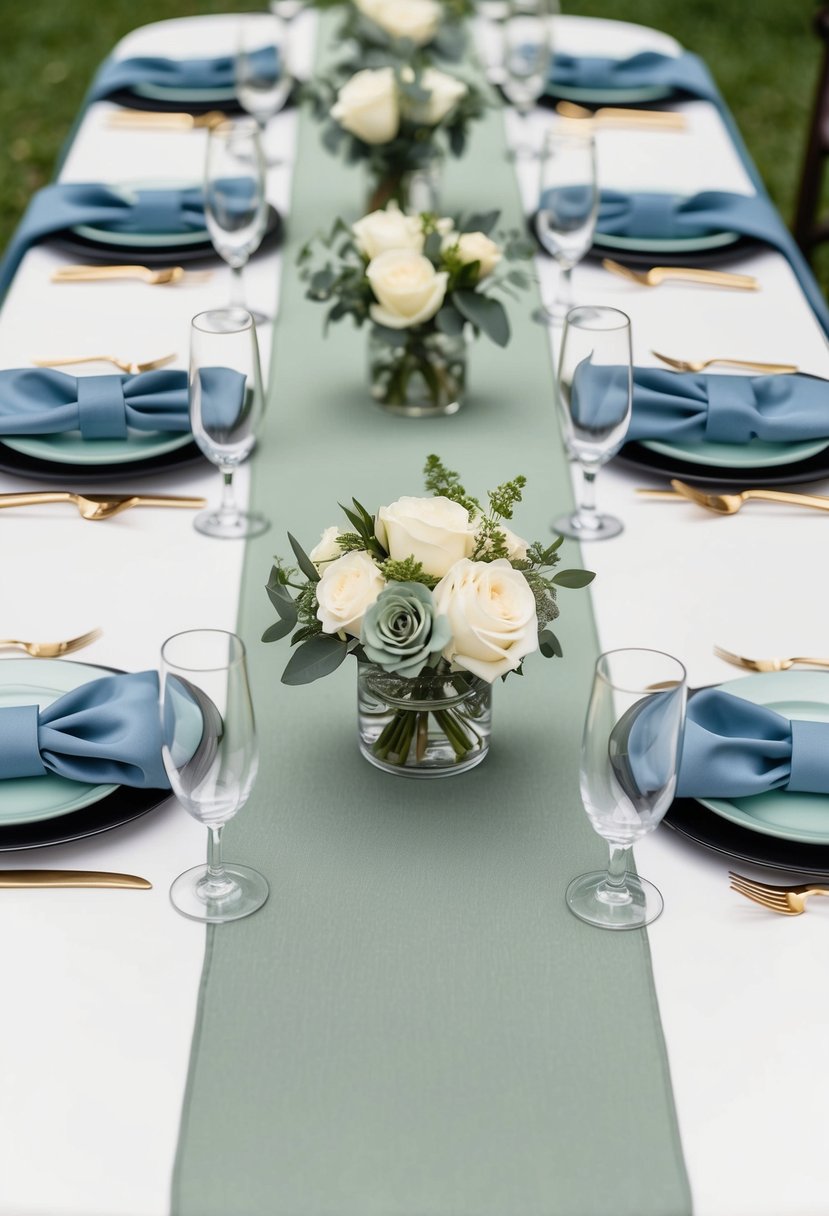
(666, 120)
(165, 121)
(19, 879)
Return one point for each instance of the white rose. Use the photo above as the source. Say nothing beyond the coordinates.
(326, 549)
(516, 547)
(491, 612)
(474, 247)
(408, 288)
(368, 107)
(390, 229)
(444, 93)
(417, 20)
(436, 532)
(347, 588)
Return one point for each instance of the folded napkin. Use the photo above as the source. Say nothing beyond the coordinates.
(107, 732)
(202, 74)
(35, 401)
(683, 407)
(684, 74)
(657, 216)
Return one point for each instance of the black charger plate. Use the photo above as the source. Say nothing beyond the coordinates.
(156, 255)
(704, 827)
(21, 465)
(165, 105)
(815, 468)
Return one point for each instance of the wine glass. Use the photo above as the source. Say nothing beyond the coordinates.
(235, 207)
(630, 757)
(595, 394)
(210, 754)
(527, 52)
(567, 209)
(226, 405)
(263, 77)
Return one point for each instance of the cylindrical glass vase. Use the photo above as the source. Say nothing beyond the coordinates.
(426, 726)
(423, 377)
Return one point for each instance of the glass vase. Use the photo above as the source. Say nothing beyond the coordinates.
(431, 725)
(415, 189)
(423, 377)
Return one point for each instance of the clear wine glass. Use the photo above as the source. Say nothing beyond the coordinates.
(226, 407)
(527, 52)
(210, 754)
(595, 394)
(630, 757)
(567, 209)
(235, 207)
(263, 75)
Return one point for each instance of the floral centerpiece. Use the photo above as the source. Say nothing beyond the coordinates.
(398, 119)
(436, 598)
(419, 281)
(388, 30)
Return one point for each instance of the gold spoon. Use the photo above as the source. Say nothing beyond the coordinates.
(98, 506)
(133, 369)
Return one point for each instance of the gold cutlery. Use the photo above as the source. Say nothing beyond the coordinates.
(51, 650)
(166, 121)
(98, 506)
(94, 274)
(18, 879)
(687, 365)
(667, 120)
(661, 274)
(133, 369)
(767, 664)
(787, 901)
(730, 504)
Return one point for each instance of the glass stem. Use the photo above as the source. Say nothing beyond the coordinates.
(237, 289)
(614, 889)
(228, 508)
(588, 518)
(215, 867)
(565, 290)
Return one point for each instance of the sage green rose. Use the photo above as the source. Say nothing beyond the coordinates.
(402, 632)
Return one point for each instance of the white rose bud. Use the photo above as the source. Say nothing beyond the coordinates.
(491, 612)
(390, 229)
(444, 93)
(436, 532)
(368, 107)
(326, 549)
(408, 288)
(417, 20)
(347, 587)
(474, 247)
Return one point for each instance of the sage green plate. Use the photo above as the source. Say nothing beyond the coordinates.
(71, 448)
(782, 813)
(160, 92)
(40, 682)
(756, 454)
(677, 244)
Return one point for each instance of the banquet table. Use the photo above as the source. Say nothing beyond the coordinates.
(413, 1025)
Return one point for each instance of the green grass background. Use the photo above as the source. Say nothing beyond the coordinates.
(763, 55)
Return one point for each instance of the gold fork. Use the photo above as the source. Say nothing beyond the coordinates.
(165, 121)
(131, 368)
(51, 650)
(699, 365)
(730, 504)
(787, 901)
(661, 274)
(165, 276)
(98, 506)
(767, 664)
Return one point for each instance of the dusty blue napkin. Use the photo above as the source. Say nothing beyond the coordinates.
(106, 732)
(683, 74)
(202, 74)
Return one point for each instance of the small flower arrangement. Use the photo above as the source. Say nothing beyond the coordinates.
(392, 30)
(419, 281)
(436, 597)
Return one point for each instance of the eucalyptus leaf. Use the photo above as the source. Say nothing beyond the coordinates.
(549, 645)
(394, 337)
(279, 629)
(573, 578)
(280, 597)
(317, 657)
(481, 221)
(486, 314)
(449, 321)
(303, 560)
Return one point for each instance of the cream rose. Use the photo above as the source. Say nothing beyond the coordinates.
(491, 611)
(368, 107)
(474, 247)
(417, 20)
(326, 549)
(390, 229)
(436, 532)
(347, 587)
(408, 288)
(444, 93)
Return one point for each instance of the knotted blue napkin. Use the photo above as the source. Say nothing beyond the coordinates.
(657, 216)
(683, 407)
(36, 401)
(202, 74)
(106, 732)
(684, 74)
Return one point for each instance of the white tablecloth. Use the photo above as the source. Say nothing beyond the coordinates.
(101, 990)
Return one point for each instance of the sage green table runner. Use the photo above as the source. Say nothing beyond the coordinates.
(415, 1025)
